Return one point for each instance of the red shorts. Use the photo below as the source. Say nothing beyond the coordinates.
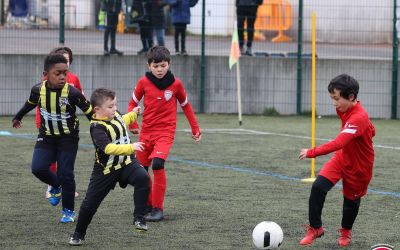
(155, 145)
(355, 186)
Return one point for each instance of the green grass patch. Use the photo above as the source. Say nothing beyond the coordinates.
(217, 190)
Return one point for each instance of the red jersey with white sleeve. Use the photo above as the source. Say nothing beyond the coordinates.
(72, 80)
(160, 106)
(353, 145)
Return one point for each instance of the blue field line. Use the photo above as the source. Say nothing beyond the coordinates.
(214, 166)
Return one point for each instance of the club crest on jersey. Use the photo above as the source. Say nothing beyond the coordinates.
(167, 95)
(63, 101)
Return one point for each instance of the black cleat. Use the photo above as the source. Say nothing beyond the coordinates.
(140, 224)
(155, 215)
(106, 53)
(76, 239)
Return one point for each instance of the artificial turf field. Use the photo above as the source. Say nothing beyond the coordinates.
(217, 190)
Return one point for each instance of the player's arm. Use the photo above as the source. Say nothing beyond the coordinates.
(354, 128)
(134, 102)
(188, 111)
(99, 135)
(80, 100)
(132, 116)
(30, 104)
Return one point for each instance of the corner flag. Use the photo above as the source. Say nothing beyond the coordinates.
(235, 51)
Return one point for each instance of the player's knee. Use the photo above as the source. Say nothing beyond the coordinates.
(158, 163)
(141, 178)
(351, 204)
(321, 185)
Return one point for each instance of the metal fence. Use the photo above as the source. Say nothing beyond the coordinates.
(356, 37)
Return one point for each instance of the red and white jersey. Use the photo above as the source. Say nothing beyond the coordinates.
(160, 107)
(354, 142)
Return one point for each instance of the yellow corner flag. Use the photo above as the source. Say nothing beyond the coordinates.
(235, 51)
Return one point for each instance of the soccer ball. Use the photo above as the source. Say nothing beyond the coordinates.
(267, 235)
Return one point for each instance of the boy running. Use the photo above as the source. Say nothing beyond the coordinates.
(113, 162)
(58, 133)
(161, 90)
(352, 161)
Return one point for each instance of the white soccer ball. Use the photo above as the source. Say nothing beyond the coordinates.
(267, 235)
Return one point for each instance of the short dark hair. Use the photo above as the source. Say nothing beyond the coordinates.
(62, 51)
(53, 59)
(158, 54)
(346, 84)
(100, 95)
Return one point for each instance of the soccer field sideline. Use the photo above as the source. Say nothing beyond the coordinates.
(229, 167)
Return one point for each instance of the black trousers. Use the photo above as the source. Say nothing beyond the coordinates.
(111, 30)
(319, 189)
(100, 185)
(146, 35)
(248, 14)
(60, 149)
(180, 30)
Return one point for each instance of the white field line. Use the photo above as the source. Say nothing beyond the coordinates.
(240, 131)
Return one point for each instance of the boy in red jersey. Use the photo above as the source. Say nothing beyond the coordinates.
(161, 91)
(352, 161)
(72, 80)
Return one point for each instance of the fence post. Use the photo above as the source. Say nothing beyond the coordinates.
(395, 59)
(2, 12)
(299, 57)
(62, 24)
(203, 58)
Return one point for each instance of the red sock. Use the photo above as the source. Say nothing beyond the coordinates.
(53, 168)
(149, 199)
(159, 188)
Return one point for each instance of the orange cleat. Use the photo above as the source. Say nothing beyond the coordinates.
(311, 235)
(345, 237)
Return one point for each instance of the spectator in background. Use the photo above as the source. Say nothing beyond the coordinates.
(181, 18)
(112, 9)
(142, 15)
(246, 10)
(158, 20)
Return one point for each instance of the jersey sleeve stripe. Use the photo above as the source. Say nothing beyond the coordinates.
(183, 104)
(134, 98)
(349, 131)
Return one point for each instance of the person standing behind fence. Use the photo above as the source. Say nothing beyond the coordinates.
(143, 10)
(158, 20)
(112, 9)
(181, 18)
(246, 10)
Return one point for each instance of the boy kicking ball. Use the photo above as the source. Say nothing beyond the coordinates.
(113, 162)
(352, 161)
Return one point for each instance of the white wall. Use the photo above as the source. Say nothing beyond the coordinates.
(78, 13)
(339, 21)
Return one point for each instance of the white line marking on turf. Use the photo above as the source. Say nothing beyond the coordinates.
(255, 132)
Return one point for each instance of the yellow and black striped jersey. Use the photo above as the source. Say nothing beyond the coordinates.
(57, 108)
(111, 140)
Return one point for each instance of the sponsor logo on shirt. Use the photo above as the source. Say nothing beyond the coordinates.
(167, 95)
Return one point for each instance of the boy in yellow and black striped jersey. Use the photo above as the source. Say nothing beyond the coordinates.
(113, 162)
(58, 132)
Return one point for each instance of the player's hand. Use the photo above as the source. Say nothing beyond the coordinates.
(138, 146)
(197, 136)
(137, 110)
(303, 153)
(135, 131)
(16, 123)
